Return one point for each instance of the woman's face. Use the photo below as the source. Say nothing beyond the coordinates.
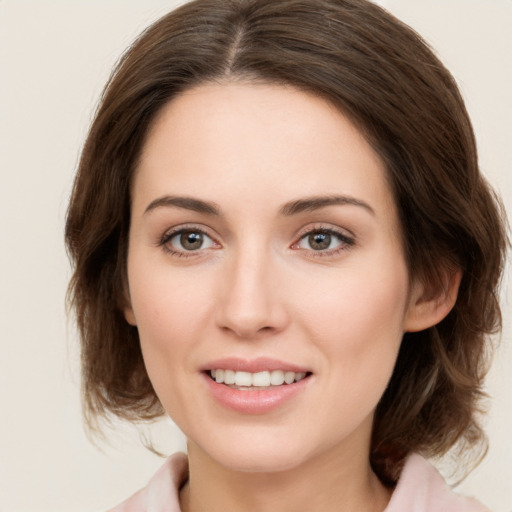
(265, 243)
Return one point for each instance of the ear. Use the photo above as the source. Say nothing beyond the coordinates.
(129, 315)
(125, 305)
(427, 307)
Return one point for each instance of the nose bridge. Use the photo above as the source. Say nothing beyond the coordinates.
(250, 303)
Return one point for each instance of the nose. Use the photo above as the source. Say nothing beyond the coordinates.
(251, 304)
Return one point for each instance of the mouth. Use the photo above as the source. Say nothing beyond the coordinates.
(258, 381)
(256, 386)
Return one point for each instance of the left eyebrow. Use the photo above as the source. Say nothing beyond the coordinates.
(309, 204)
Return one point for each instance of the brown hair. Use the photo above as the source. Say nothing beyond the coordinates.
(384, 77)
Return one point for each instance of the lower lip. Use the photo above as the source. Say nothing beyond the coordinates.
(255, 401)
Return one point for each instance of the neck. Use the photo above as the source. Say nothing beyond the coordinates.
(337, 482)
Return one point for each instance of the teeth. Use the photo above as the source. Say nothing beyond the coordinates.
(260, 379)
(277, 378)
(242, 378)
(229, 377)
(289, 377)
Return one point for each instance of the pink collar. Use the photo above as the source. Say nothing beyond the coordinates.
(420, 489)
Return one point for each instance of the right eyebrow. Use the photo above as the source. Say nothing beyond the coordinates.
(187, 203)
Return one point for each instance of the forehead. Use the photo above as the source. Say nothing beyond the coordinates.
(257, 142)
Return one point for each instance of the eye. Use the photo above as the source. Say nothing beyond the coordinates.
(187, 240)
(324, 240)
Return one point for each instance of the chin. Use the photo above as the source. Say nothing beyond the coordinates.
(254, 453)
(259, 461)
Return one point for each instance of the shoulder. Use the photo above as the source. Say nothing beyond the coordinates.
(162, 491)
(422, 489)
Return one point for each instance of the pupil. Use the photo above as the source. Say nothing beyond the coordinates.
(319, 241)
(191, 241)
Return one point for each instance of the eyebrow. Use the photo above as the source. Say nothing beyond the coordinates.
(291, 208)
(317, 202)
(187, 203)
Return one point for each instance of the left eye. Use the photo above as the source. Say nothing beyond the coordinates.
(190, 240)
(322, 240)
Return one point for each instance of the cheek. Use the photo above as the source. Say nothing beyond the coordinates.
(357, 301)
(358, 326)
(171, 310)
(167, 300)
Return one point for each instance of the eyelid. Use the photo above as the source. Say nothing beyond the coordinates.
(347, 238)
(170, 233)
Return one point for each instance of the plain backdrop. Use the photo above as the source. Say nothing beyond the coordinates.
(54, 59)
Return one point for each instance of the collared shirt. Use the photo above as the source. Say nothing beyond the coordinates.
(420, 488)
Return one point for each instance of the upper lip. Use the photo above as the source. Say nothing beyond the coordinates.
(259, 364)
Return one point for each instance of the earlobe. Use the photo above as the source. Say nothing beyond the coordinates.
(126, 306)
(129, 315)
(428, 308)
(125, 303)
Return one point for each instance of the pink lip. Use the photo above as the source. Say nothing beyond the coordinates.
(259, 364)
(255, 401)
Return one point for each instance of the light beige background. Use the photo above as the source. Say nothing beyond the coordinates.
(54, 58)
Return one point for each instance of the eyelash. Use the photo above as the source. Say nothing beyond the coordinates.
(346, 242)
(168, 236)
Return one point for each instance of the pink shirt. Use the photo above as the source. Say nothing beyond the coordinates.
(420, 489)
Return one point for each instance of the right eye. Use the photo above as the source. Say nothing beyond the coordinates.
(188, 240)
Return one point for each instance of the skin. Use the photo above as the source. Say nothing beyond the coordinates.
(257, 287)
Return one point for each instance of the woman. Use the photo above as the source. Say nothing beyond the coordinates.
(281, 239)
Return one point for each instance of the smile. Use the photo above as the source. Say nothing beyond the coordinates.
(258, 386)
(255, 381)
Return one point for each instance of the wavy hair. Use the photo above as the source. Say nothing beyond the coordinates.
(381, 74)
